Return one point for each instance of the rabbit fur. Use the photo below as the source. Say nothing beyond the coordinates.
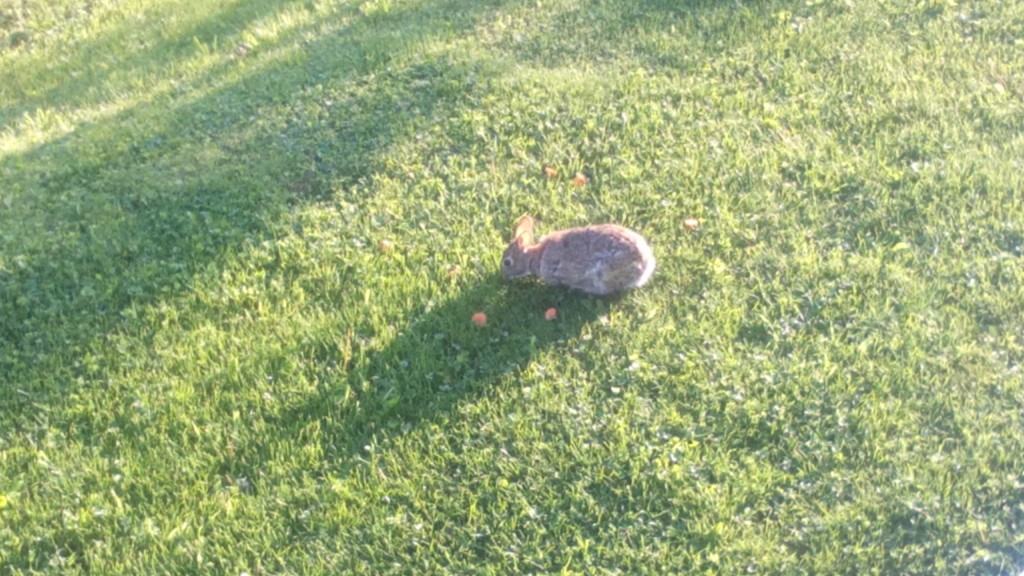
(600, 259)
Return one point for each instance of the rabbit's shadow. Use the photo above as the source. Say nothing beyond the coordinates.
(439, 359)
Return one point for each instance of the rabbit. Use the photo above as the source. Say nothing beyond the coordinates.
(601, 259)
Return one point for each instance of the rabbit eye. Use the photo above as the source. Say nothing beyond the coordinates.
(507, 261)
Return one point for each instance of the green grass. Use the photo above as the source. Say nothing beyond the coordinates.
(208, 364)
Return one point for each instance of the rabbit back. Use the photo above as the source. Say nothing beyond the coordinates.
(599, 259)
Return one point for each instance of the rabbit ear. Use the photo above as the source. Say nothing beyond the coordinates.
(524, 230)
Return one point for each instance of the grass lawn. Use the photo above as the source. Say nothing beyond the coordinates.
(241, 243)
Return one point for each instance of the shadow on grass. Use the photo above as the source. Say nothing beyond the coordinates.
(438, 361)
(124, 212)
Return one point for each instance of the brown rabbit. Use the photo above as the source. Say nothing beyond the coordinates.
(599, 259)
